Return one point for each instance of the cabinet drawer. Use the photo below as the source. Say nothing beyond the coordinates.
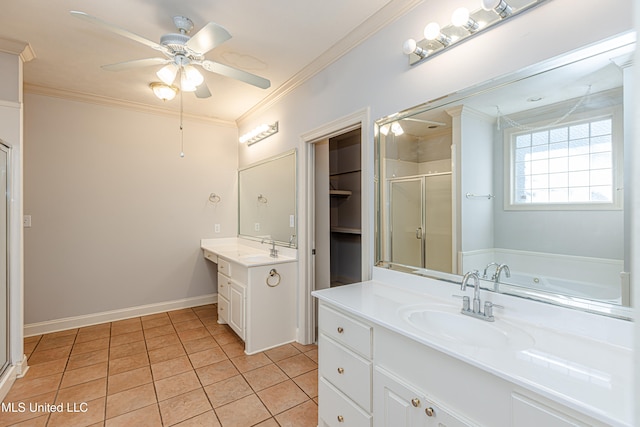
(211, 256)
(224, 284)
(346, 330)
(223, 310)
(224, 267)
(336, 410)
(348, 372)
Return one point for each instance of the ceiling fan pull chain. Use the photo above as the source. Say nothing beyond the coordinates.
(181, 130)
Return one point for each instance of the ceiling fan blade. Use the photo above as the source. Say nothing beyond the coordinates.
(136, 63)
(209, 36)
(117, 30)
(202, 91)
(234, 73)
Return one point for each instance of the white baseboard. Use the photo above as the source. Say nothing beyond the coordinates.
(114, 315)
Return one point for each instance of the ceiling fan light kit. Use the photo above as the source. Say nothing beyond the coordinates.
(182, 53)
(163, 91)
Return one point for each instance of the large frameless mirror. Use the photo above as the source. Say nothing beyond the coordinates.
(267, 200)
(522, 179)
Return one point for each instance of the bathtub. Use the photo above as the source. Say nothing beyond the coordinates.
(600, 292)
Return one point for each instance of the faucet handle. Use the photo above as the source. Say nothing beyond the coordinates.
(488, 308)
(466, 301)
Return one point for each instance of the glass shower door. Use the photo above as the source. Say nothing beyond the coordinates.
(438, 223)
(406, 217)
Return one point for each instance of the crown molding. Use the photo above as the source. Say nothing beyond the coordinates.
(17, 47)
(388, 14)
(118, 103)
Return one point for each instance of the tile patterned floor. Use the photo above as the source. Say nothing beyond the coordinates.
(176, 368)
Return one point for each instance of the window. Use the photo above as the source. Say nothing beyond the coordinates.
(565, 166)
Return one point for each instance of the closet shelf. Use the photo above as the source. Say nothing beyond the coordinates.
(345, 193)
(346, 230)
(344, 172)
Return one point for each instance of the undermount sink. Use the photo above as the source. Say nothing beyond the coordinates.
(451, 325)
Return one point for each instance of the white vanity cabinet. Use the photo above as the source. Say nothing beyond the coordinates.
(231, 295)
(256, 298)
(370, 375)
(344, 369)
(399, 404)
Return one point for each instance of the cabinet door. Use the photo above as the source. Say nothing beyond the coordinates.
(236, 308)
(529, 413)
(397, 404)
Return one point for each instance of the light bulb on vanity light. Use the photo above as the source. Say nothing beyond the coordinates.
(501, 7)
(411, 46)
(461, 18)
(432, 32)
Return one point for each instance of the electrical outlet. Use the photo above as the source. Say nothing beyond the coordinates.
(256, 226)
(292, 221)
(216, 228)
(26, 221)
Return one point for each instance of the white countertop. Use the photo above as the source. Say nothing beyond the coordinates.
(245, 252)
(589, 375)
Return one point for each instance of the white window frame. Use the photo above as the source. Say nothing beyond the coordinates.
(617, 147)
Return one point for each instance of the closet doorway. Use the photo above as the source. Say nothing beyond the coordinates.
(338, 210)
(350, 257)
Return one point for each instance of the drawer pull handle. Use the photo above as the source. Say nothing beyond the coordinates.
(430, 412)
(340, 418)
(340, 329)
(415, 402)
(341, 370)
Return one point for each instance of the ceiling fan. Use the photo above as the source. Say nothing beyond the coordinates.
(181, 53)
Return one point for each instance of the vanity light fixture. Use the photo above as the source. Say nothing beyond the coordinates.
(464, 24)
(259, 133)
(163, 91)
(411, 46)
(501, 7)
(461, 18)
(432, 32)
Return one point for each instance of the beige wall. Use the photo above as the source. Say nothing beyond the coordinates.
(117, 215)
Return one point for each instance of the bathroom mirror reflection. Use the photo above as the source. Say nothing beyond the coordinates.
(267, 200)
(522, 179)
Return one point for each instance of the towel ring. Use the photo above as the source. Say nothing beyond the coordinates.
(214, 198)
(273, 273)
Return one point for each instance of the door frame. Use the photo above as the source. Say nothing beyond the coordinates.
(306, 308)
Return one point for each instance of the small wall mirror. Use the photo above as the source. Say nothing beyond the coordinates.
(523, 179)
(267, 200)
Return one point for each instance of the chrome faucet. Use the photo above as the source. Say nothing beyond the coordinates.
(491, 264)
(496, 275)
(475, 310)
(273, 252)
